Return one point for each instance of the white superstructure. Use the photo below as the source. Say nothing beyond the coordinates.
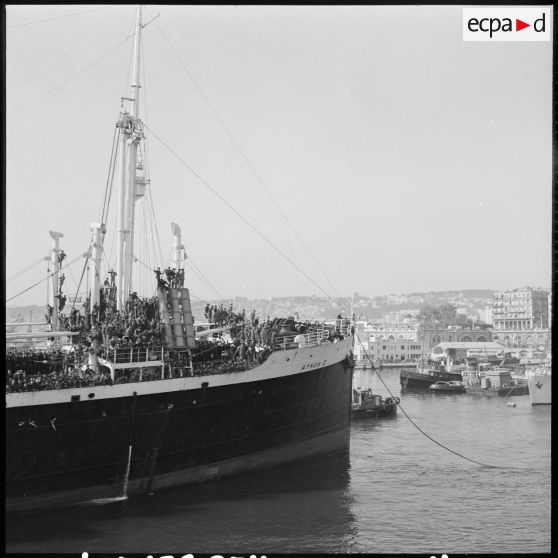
(539, 380)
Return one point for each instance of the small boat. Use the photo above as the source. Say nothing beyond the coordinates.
(368, 405)
(496, 381)
(448, 387)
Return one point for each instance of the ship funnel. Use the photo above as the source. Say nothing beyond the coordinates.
(176, 230)
(177, 247)
(97, 226)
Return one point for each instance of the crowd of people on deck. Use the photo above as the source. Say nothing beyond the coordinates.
(247, 342)
(215, 356)
(58, 378)
(174, 278)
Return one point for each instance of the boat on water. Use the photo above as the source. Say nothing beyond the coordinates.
(125, 396)
(494, 381)
(428, 372)
(448, 387)
(539, 380)
(368, 405)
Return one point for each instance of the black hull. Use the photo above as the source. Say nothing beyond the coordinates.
(387, 411)
(175, 437)
(414, 380)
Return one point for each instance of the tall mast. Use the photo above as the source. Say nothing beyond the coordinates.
(97, 246)
(54, 271)
(132, 134)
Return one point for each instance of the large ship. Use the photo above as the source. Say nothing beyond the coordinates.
(539, 380)
(126, 395)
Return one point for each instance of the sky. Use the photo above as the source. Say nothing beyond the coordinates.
(367, 149)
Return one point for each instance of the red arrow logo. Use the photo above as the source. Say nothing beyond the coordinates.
(519, 25)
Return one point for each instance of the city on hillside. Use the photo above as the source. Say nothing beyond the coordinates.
(519, 319)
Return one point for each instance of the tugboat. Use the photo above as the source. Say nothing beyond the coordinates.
(127, 398)
(367, 405)
(428, 372)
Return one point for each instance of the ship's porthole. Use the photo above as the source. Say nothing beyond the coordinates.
(194, 402)
(75, 398)
(91, 395)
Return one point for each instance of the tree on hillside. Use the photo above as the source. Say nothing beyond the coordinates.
(463, 321)
(440, 316)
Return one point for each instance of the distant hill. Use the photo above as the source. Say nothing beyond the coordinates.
(25, 313)
(471, 302)
(468, 293)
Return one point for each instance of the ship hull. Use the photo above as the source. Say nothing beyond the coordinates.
(540, 388)
(412, 379)
(512, 391)
(110, 447)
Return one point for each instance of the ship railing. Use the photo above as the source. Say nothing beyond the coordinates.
(124, 355)
(314, 337)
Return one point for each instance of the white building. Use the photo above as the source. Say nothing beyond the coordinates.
(392, 350)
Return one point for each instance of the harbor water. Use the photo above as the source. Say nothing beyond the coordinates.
(395, 492)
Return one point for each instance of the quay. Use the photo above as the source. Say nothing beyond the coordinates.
(396, 365)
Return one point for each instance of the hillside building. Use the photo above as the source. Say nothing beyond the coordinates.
(520, 309)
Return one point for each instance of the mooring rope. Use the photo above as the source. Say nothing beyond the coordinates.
(421, 430)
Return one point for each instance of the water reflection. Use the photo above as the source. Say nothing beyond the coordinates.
(306, 506)
(395, 492)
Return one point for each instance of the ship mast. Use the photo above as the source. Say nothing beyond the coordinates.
(131, 133)
(55, 266)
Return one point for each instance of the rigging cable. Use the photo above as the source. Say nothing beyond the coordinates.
(136, 259)
(260, 234)
(87, 256)
(205, 280)
(58, 17)
(30, 104)
(110, 174)
(419, 428)
(246, 160)
(23, 271)
(153, 222)
(42, 280)
(150, 248)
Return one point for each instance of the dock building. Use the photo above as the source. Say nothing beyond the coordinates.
(430, 337)
(386, 342)
(400, 350)
(459, 351)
